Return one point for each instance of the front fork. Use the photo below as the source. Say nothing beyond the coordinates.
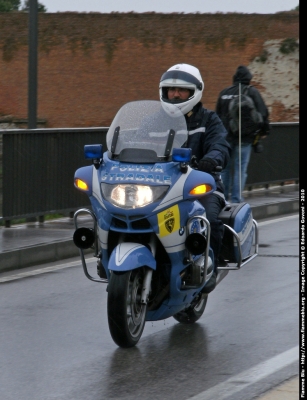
(146, 286)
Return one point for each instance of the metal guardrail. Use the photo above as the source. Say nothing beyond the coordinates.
(38, 167)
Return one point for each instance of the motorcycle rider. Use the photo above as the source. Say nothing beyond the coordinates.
(182, 85)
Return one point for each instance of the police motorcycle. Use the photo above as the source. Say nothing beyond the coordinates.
(149, 232)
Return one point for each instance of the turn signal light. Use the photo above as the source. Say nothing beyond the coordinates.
(81, 184)
(201, 189)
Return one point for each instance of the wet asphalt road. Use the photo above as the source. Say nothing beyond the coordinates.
(55, 342)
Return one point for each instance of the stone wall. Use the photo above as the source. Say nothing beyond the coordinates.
(89, 64)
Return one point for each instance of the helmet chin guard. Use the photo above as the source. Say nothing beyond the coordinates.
(183, 76)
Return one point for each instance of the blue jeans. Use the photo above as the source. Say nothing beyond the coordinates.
(230, 175)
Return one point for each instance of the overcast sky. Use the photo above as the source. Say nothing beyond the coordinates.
(168, 6)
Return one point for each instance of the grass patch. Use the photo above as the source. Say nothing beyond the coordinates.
(47, 217)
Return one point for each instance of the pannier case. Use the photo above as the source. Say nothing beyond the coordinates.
(239, 217)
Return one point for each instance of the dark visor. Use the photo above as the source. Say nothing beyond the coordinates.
(185, 76)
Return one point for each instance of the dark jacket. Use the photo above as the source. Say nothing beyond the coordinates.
(207, 137)
(244, 76)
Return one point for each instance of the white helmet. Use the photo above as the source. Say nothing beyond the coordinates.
(184, 76)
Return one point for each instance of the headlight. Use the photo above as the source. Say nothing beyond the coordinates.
(132, 196)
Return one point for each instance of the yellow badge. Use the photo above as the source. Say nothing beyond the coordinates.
(169, 221)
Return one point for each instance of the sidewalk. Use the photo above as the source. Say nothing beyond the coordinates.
(288, 390)
(35, 243)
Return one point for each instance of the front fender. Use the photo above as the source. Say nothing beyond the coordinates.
(127, 256)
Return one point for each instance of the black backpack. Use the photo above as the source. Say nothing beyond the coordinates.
(251, 119)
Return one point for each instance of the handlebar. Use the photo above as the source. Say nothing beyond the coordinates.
(194, 164)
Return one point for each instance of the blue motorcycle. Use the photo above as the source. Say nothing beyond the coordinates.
(149, 232)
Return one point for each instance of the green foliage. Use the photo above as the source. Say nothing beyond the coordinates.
(263, 57)
(47, 217)
(9, 5)
(40, 7)
(15, 5)
(297, 8)
(288, 46)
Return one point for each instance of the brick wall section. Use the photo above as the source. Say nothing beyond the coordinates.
(91, 64)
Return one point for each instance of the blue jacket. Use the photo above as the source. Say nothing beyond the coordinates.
(207, 138)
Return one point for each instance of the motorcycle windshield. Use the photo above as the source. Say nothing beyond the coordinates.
(144, 131)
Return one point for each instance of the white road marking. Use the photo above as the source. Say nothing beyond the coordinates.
(44, 270)
(282, 219)
(238, 382)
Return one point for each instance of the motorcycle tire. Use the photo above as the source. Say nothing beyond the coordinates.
(126, 314)
(194, 312)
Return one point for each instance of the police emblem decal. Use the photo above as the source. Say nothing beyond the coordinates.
(169, 224)
(169, 221)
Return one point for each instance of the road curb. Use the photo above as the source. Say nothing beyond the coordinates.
(34, 255)
(275, 209)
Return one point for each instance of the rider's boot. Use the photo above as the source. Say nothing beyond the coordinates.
(211, 284)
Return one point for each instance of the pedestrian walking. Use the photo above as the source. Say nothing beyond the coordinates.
(246, 119)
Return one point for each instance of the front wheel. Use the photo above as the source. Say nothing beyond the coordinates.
(194, 312)
(126, 313)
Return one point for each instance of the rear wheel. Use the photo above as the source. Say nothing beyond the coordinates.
(194, 312)
(126, 314)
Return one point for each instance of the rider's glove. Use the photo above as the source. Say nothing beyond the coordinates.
(207, 165)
